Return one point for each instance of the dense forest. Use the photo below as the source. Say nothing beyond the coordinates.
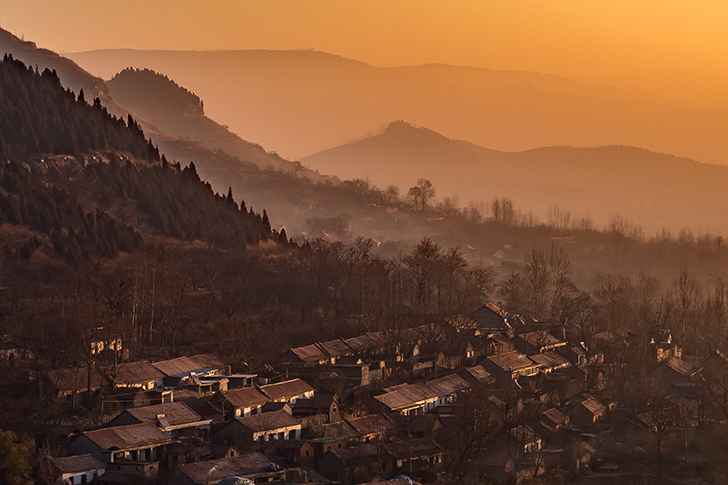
(39, 116)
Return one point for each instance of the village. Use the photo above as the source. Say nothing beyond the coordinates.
(489, 398)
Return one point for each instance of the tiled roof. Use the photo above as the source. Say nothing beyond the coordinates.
(136, 372)
(310, 353)
(593, 406)
(268, 421)
(555, 416)
(496, 309)
(341, 429)
(524, 434)
(215, 470)
(540, 338)
(75, 379)
(245, 397)
(354, 455)
(129, 436)
(185, 365)
(406, 395)
(550, 359)
(511, 361)
(447, 385)
(77, 464)
(371, 424)
(479, 373)
(286, 390)
(680, 366)
(175, 413)
(413, 448)
(335, 348)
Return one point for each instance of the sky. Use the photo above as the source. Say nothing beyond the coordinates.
(574, 38)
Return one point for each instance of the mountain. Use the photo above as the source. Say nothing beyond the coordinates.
(654, 190)
(301, 102)
(177, 112)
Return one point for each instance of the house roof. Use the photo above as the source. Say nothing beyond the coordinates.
(74, 379)
(406, 395)
(593, 406)
(540, 338)
(413, 448)
(310, 353)
(479, 373)
(354, 455)
(680, 366)
(361, 343)
(495, 309)
(524, 434)
(319, 402)
(550, 359)
(286, 390)
(215, 470)
(371, 424)
(130, 436)
(77, 464)
(511, 361)
(447, 385)
(268, 421)
(184, 365)
(245, 397)
(175, 413)
(501, 340)
(340, 429)
(136, 372)
(555, 416)
(335, 348)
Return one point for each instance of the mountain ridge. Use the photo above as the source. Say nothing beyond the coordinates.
(605, 181)
(298, 103)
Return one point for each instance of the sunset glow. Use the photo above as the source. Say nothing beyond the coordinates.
(568, 37)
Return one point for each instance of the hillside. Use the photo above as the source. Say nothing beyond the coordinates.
(77, 178)
(301, 102)
(181, 114)
(654, 190)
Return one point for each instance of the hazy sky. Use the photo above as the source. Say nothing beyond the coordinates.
(568, 37)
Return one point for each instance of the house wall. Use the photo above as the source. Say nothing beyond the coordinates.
(76, 478)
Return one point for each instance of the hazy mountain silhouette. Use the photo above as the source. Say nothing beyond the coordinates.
(655, 190)
(301, 102)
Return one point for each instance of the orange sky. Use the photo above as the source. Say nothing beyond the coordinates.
(567, 37)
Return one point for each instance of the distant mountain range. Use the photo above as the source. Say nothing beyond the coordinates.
(301, 102)
(654, 190)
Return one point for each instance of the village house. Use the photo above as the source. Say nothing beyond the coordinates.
(587, 411)
(137, 442)
(492, 319)
(73, 470)
(408, 399)
(477, 375)
(538, 341)
(183, 369)
(372, 426)
(525, 439)
(240, 402)
(259, 428)
(288, 391)
(356, 464)
(300, 453)
(321, 404)
(499, 344)
(412, 457)
(70, 383)
(175, 418)
(550, 361)
(447, 387)
(509, 366)
(139, 374)
(253, 466)
(308, 355)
